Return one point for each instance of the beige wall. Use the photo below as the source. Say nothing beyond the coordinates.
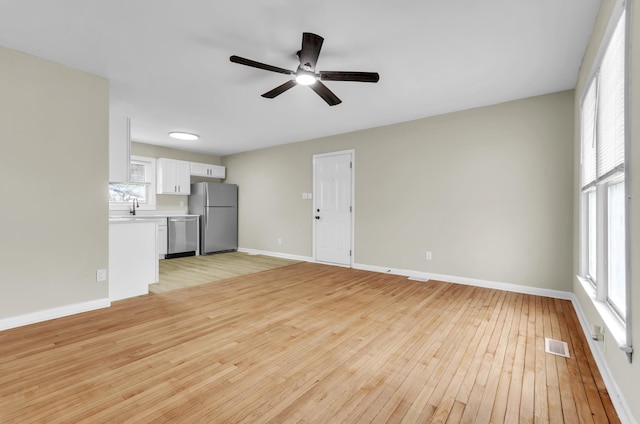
(54, 175)
(626, 375)
(171, 202)
(487, 190)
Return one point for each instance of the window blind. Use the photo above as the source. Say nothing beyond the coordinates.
(589, 136)
(138, 172)
(603, 115)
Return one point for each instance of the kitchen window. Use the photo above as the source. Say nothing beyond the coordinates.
(140, 187)
(604, 133)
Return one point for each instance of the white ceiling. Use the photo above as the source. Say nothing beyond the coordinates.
(168, 60)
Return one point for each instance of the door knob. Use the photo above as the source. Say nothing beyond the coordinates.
(317, 217)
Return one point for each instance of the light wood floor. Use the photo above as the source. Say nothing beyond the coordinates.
(190, 271)
(306, 343)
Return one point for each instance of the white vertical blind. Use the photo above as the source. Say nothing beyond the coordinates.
(610, 106)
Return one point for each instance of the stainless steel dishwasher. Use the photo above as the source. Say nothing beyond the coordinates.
(182, 236)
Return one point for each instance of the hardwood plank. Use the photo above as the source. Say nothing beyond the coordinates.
(569, 407)
(527, 402)
(541, 401)
(553, 385)
(484, 358)
(490, 395)
(456, 413)
(504, 374)
(305, 343)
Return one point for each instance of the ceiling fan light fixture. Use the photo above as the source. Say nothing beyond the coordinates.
(181, 135)
(306, 74)
(305, 78)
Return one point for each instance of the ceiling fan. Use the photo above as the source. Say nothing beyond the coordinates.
(306, 73)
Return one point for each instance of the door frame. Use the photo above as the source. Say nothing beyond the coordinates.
(351, 152)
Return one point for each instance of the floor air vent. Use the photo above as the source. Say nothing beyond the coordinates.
(422, 280)
(556, 347)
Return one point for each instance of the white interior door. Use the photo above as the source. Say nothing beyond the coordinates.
(333, 207)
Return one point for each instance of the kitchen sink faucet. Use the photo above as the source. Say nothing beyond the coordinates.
(135, 204)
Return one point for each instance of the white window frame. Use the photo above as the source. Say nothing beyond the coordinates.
(150, 175)
(598, 290)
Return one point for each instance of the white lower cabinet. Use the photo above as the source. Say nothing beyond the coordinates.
(133, 260)
(161, 236)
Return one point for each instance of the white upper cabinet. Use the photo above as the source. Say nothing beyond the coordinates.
(206, 170)
(119, 148)
(174, 177)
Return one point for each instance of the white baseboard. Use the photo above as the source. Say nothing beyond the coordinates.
(62, 311)
(276, 254)
(557, 294)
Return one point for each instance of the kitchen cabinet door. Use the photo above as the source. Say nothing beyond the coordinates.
(119, 148)
(183, 175)
(207, 170)
(173, 177)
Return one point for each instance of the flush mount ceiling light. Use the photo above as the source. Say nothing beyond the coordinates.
(180, 135)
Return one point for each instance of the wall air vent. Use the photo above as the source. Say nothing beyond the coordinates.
(556, 347)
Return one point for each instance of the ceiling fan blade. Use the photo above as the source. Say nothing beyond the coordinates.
(324, 92)
(311, 45)
(254, 64)
(349, 76)
(279, 89)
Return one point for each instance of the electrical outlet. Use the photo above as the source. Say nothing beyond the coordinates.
(428, 255)
(101, 275)
(279, 241)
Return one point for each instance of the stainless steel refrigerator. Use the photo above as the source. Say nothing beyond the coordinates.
(217, 205)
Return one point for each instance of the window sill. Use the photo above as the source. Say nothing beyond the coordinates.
(615, 326)
(127, 206)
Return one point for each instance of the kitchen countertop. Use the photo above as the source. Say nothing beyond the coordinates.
(142, 217)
